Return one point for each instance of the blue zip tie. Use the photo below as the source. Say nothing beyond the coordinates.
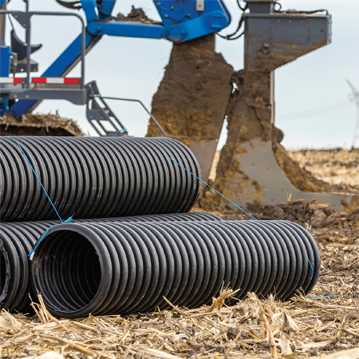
(214, 189)
(321, 297)
(326, 296)
(119, 132)
(311, 267)
(67, 220)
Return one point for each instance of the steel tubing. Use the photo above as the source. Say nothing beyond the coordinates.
(18, 239)
(95, 177)
(121, 268)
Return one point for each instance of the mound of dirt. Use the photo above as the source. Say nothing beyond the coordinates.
(303, 212)
(38, 125)
(300, 211)
(326, 224)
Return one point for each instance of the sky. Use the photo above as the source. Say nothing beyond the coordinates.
(311, 94)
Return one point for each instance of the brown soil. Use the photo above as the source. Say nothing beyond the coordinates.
(191, 100)
(250, 116)
(300, 177)
(325, 224)
(38, 125)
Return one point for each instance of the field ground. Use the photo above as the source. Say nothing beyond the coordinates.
(337, 166)
(324, 323)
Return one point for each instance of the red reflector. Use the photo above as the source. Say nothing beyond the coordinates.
(70, 80)
(39, 80)
(17, 80)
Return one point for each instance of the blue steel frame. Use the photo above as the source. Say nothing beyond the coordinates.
(181, 21)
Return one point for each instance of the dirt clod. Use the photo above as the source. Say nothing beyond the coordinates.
(300, 177)
(300, 211)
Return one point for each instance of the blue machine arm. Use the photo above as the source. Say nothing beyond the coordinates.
(182, 20)
(2, 2)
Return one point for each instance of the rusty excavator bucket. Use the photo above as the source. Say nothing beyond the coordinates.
(200, 90)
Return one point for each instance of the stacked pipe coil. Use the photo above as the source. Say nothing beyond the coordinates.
(95, 177)
(129, 264)
(18, 239)
(121, 268)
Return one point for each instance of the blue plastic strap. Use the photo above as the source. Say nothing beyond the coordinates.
(321, 297)
(119, 132)
(213, 189)
(311, 267)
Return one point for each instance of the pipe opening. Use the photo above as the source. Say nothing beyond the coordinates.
(69, 274)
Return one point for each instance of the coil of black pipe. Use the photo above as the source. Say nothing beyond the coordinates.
(19, 238)
(95, 177)
(122, 268)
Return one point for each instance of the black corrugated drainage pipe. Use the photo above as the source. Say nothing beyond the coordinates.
(18, 239)
(95, 177)
(121, 268)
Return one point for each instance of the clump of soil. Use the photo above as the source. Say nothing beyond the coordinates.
(300, 177)
(325, 224)
(136, 15)
(315, 213)
(191, 100)
(299, 211)
(38, 125)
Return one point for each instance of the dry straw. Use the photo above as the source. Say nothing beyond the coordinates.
(251, 328)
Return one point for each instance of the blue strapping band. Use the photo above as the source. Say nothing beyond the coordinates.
(119, 132)
(67, 220)
(214, 189)
(311, 268)
(321, 297)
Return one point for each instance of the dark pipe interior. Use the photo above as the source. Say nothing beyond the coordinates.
(2, 271)
(72, 267)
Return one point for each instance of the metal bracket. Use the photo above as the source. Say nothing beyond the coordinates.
(23, 18)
